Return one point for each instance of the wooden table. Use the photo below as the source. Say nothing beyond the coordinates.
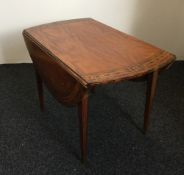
(73, 57)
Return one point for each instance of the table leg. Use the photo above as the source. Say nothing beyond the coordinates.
(83, 120)
(40, 90)
(151, 89)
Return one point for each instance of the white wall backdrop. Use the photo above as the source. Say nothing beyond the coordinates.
(159, 22)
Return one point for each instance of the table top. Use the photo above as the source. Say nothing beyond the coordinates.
(95, 53)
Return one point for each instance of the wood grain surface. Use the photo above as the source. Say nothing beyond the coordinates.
(94, 53)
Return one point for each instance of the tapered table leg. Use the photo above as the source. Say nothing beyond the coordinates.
(151, 89)
(40, 90)
(83, 120)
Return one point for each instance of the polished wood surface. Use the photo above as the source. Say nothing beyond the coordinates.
(72, 57)
(95, 53)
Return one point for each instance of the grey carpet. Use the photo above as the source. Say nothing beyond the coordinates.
(36, 143)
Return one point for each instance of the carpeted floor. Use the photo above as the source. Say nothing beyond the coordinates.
(36, 143)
